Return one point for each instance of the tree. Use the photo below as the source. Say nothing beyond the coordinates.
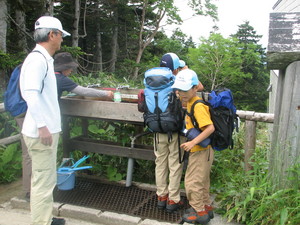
(251, 92)
(21, 26)
(217, 61)
(152, 15)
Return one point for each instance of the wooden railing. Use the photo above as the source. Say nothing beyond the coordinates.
(11, 139)
(250, 117)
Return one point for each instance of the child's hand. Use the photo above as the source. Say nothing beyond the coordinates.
(187, 146)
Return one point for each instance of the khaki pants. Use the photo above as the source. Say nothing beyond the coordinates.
(197, 178)
(26, 160)
(43, 179)
(168, 170)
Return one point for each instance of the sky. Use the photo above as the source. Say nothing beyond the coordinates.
(231, 14)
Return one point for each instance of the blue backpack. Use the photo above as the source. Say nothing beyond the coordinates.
(163, 110)
(224, 117)
(13, 101)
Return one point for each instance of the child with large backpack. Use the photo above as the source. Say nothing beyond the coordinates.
(197, 176)
(164, 116)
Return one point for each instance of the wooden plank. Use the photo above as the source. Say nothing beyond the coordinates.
(128, 112)
(10, 140)
(124, 112)
(284, 39)
(109, 149)
(255, 116)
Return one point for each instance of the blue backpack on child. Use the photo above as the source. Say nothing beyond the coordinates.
(163, 110)
(223, 115)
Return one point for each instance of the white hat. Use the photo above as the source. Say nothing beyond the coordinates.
(181, 63)
(50, 22)
(185, 80)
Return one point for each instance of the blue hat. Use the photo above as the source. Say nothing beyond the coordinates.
(181, 63)
(170, 60)
(185, 80)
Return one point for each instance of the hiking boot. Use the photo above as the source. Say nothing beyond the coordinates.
(162, 201)
(58, 221)
(201, 217)
(209, 209)
(173, 206)
(190, 210)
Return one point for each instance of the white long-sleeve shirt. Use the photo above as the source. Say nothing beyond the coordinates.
(40, 93)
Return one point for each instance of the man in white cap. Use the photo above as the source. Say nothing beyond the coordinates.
(42, 122)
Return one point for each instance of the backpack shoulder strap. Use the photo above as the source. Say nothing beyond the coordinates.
(191, 113)
(46, 70)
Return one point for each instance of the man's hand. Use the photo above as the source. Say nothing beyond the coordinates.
(110, 95)
(45, 136)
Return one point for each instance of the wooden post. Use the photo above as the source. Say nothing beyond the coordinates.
(66, 136)
(250, 139)
(84, 126)
(285, 154)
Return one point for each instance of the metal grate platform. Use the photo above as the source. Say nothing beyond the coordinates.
(117, 198)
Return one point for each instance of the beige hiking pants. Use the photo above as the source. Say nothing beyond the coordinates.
(197, 178)
(43, 179)
(168, 170)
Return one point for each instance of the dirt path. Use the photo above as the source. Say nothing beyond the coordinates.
(8, 191)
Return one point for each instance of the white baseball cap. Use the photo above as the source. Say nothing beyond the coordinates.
(50, 22)
(181, 63)
(185, 80)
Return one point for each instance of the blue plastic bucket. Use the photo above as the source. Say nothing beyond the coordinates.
(65, 180)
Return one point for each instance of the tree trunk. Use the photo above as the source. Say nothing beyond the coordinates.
(98, 57)
(114, 42)
(149, 37)
(75, 35)
(3, 25)
(3, 31)
(21, 27)
(49, 8)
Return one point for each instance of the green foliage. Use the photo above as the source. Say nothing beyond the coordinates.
(249, 197)
(10, 61)
(217, 61)
(10, 163)
(253, 95)
(75, 51)
(102, 79)
(8, 125)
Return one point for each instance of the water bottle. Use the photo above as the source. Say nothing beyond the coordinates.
(117, 96)
(192, 133)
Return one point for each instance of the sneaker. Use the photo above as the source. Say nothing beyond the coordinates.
(173, 206)
(201, 217)
(162, 201)
(58, 221)
(209, 209)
